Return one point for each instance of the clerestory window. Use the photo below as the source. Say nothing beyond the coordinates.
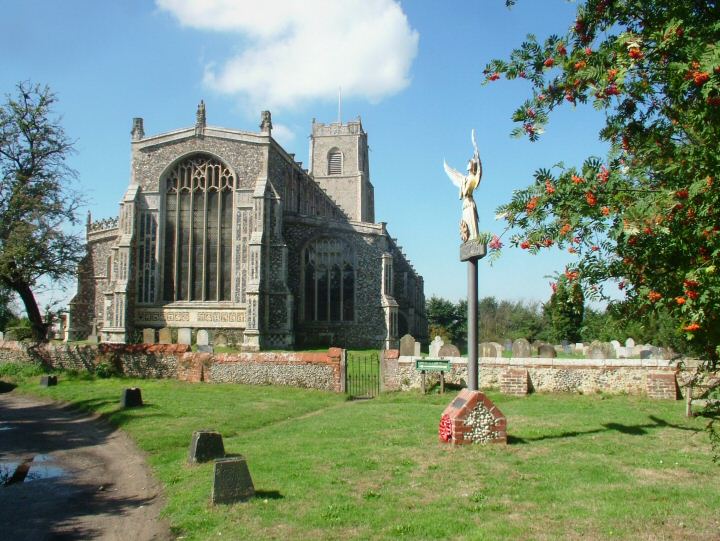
(198, 231)
(329, 281)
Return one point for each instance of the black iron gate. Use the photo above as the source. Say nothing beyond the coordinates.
(362, 374)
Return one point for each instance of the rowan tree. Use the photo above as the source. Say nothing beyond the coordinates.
(36, 198)
(646, 217)
(565, 311)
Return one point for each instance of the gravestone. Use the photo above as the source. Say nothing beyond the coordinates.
(646, 353)
(148, 336)
(521, 348)
(93, 338)
(48, 381)
(508, 345)
(435, 346)
(220, 340)
(417, 351)
(568, 349)
(579, 347)
(164, 336)
(535, 346)
(231, 481)
(629, 343)
(596, 351)
(205, 349)
(2, 337)
(205, 445)
(131, 398)
(615, 344)
(490, 349)
(202, 338)
(449, 350)
(407, 346)
(184, 336)
(546, 351)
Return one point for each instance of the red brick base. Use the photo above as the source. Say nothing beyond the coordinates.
(472, 418)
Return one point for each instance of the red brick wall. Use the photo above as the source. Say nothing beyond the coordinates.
(662, 385)
(514, 381)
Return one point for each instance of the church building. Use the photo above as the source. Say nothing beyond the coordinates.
(223, 230)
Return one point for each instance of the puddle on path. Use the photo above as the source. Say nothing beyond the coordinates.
(31, 469)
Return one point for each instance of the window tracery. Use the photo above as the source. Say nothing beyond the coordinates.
(198, 231)
(329, 281)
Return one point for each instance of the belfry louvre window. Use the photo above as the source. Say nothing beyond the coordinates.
(198, 231)
(335, 162)
(329, 288)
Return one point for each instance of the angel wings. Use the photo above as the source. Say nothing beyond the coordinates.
(467, 183)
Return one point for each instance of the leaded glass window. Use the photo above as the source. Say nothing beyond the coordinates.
(329, 281)
(198, 231)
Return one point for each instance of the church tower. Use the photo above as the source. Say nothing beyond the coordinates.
(339, 164)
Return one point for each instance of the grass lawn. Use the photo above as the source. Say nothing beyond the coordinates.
(577, 467)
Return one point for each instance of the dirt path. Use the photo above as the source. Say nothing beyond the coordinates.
(86, 480)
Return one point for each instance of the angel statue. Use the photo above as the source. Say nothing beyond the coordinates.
(467, 184)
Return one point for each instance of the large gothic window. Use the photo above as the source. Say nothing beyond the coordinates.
(329, 281)
(198, 231)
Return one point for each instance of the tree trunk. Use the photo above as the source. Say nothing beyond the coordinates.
(37, 324)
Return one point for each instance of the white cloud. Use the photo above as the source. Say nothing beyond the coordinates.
(283, 134)
(305, 50)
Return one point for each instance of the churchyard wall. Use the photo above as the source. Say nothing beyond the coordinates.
(655, 377)
(315, 370)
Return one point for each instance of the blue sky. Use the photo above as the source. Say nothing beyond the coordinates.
(411, 70)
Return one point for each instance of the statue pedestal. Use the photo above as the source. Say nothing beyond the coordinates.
(472, 418)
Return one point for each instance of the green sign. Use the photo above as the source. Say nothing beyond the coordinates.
(432, 365)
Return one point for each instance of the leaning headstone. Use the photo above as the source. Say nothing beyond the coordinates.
(521, 348)
(48, 381)
(435, 346)
(508, 345)
(449, 350)
(417, 351)
(131, 398)
(407, 346)
(220, 340)
(629, 343)
(202, 338)
(231, 481)
(206, 445)
(148, 336)
(164, 336)
(184, 336)
(546, 351)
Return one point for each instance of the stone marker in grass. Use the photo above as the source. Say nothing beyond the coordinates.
(231, 481)
(205, 445)
(48, 381)
(131, 398)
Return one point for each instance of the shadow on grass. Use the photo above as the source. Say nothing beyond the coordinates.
(268, 495)
(6, 387)
(631, 430)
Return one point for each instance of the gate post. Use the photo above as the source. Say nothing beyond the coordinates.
(343, 371)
